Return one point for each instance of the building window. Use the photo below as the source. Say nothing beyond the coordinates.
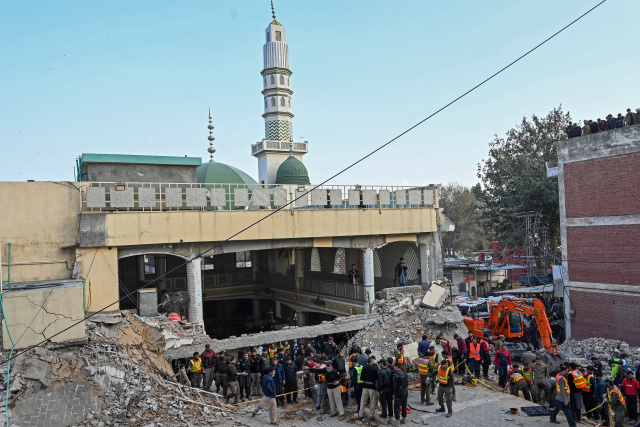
(282, 102)
(272, 80)
(243, 259)
(149, 265)
(412, 261)
(273, 102)
(315, 260)
(339, 262)
(377, 265)
(281, 80)
(207, 263)
(278, 36)
(268, 37)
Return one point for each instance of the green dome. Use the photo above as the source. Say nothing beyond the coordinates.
(219, 173)
(292, 171)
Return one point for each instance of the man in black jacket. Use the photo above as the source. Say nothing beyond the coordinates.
(400, 392)
(369, 377)
(244, 376)
(385, 389)
(255, 365)
(330, 348)
(221, 369)
(291, 381)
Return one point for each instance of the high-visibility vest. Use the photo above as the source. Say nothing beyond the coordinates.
(423, 366)
(286, 347)
(587, 387)
(358, 373)
(196, 366)
(432, 360)
(474, 352)
(443, 375)
(321, 377)
(485, 343)
(343, 389)
(620, 395)
(350, 362)
(614, 367)
(516, 376)
(578, 379)
(566, 386)
(527, 374)
(272, 352)
(399, 357)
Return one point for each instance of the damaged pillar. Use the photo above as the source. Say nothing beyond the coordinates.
(369, 286)
(194, 289)
(431, 264)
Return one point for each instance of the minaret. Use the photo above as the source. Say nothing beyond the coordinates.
(278, 118)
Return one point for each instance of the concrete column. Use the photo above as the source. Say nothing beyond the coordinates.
(278, 312)
(302, 318)
(256, 311)
(425, 270)
(194, 288)
(369, 285)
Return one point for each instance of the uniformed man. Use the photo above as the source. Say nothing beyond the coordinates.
(232, 381)
(616, 401)
(195, 366)
(562, 398)
(540, 372)
(445, 388)
(425, 385)
(400, 392)
(399, 355)
(527, 373)
(517, 382)
(221, 369)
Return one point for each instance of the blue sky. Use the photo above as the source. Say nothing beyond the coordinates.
(139, 77)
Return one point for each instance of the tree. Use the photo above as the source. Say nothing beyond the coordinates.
(514, 177)
(461, 206)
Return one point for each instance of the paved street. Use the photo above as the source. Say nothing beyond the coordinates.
(477, 406)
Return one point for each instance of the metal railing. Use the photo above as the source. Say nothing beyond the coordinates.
(145, 196)
(276, 280)
(333, 289)
(228, 279)
(283, 146)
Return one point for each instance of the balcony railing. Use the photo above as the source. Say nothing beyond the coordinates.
(144, 196)
(283, 146)
(333, 289)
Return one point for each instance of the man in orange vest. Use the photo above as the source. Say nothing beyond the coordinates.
(576, 383)
(445, 381)
(562, 398)
(399, 355)
(616, 401)
(425, 386)
(527, 373)
(273, 351)
(474, 357)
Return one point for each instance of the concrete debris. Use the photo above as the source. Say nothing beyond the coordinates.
(581, 351)
(402, 318)
(435, 296)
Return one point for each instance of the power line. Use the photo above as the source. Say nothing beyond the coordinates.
(327, 180)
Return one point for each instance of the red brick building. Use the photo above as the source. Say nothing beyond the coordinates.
(599, 184)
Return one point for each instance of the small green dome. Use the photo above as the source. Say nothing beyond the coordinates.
(292, 171)
(219, 173)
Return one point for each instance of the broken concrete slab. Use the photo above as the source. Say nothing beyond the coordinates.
(34, 369)
(109, 320)
(435, 296)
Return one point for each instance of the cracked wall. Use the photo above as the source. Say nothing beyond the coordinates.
(34, 315)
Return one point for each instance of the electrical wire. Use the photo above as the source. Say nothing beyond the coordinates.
(483, 82)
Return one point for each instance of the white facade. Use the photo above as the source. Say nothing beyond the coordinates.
(278, 116)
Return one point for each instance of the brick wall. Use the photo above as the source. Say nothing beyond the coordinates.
(602, 187)
(613, 253)
(600, 314)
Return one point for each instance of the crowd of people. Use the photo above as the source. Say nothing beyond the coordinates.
(609, 122)
(380, 387)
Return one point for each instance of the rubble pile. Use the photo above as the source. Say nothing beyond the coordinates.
(602, 348)
(403, 319)
(120, 377)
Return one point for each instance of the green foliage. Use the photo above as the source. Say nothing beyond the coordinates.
(514, 177)
(461, 206)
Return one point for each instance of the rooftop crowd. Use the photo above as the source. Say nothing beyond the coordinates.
(610, 122)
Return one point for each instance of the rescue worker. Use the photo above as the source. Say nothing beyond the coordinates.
(400, 392)
(273, 351)
(616, 401)
(356, 382)
(587, 390)
(546, 392)
(208, 361)
(562, 398)
(385, 390)
(540, 372)
(474, 357)
(576, 383)
(309, 380)
(232, 382)
(244, 376)
(517, 382)
(447, 356)
(353, 350)
(330, 379)
(617, 367)
(195, 366)
(485, 349)
(528, 375)
(445, 388)
(433, 369)
(221, 368)
(425, 385)
(291, 381)
(399, 355)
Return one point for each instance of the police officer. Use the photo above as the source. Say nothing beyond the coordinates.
(400, 392)
(445, 388)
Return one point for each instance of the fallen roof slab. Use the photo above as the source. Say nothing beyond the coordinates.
(341, 324)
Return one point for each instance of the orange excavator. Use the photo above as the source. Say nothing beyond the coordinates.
(505, 318)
